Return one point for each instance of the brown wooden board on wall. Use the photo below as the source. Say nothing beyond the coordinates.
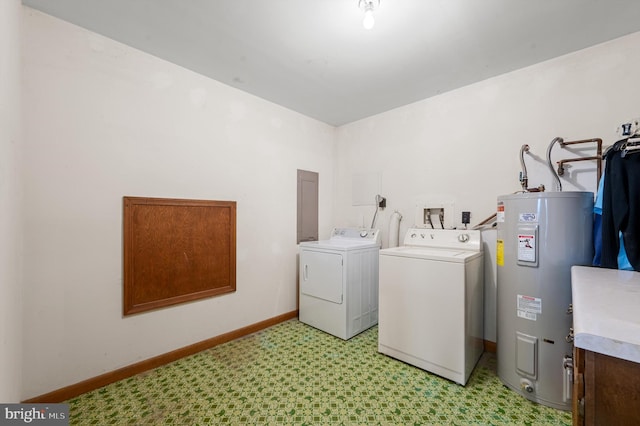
(177, 251)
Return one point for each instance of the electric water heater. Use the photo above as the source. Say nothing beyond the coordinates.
(540, 236)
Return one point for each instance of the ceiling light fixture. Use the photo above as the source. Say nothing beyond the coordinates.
(368, 6)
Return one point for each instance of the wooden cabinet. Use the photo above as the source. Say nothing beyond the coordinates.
(606, 390)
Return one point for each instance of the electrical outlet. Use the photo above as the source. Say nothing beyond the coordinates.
(466, 218)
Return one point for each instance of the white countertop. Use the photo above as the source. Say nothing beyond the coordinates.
(606, 311)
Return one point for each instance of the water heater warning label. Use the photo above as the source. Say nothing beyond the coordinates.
(500, 212)
(527, 247)
(528, 307)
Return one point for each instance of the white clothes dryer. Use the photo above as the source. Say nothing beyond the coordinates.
(339, 282)
(431, 301)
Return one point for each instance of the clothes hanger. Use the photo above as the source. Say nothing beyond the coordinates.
(632, 145)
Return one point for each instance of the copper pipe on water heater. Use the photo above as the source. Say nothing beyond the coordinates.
(491, 218)
(597, 157)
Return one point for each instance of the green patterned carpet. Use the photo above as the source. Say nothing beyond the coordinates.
(294, 374)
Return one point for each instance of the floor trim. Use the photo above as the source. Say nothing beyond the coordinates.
(490, 346)
(85, 386)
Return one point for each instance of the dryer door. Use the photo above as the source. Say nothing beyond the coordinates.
(321, 275)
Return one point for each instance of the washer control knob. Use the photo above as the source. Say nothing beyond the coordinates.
(413, 235)
(363, 233)
(463, 238)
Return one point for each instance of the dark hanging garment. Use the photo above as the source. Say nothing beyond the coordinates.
(621, 206)
(597, 224)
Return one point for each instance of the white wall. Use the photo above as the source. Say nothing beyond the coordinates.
(104, 121)
(465, 144)
(10, 222)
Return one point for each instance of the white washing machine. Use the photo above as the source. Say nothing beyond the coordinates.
(431, 301)
(339, 282)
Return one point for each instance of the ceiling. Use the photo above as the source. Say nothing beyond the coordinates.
(316, 58)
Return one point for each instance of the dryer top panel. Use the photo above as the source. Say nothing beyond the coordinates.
(346, 239)
(337, 245)
(357, 234)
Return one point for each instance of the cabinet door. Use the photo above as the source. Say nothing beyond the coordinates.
(612, 390)
(578, 387)
(321, 275)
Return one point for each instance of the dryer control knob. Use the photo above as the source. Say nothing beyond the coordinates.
(463, 238)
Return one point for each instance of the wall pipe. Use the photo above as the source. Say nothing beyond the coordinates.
(553, 171)
(597, 157)
(394, 229)
(524, 179)
(490, 219)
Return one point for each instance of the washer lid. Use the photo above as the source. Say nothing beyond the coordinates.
(428, 253)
